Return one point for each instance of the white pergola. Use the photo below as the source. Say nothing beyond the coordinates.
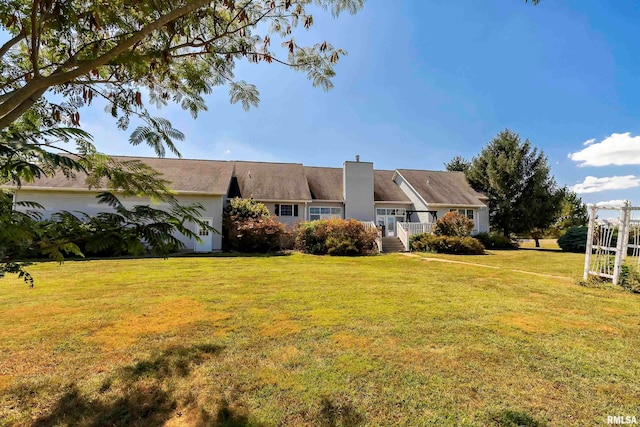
(611, 241)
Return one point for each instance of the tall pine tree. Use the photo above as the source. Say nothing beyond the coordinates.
(523, 196)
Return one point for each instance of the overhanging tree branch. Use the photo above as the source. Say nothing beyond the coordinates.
(38, 85)
(11, 42)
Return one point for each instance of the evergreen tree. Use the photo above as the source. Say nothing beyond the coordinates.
(458, 164)
(523, 196)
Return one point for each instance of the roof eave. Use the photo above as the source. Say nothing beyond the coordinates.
(98, 190)
(395, 202)
(456, 205)
(282, 200)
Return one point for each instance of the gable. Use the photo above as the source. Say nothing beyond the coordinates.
(385, 189)
(442, 188)
(325, 183)
(272, 181)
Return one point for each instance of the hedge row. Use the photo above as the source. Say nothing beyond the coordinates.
(426, 242)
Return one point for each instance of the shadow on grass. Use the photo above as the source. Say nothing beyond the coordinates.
(229, 417)
(508, 418)
(140, 406)
(138, 395)
(71, 258)
(336, 413)
(541, 249)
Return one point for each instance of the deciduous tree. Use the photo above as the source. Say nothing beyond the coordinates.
(60, 56)
(175, 51)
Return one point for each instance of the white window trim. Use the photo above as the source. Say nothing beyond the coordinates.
(322, 216)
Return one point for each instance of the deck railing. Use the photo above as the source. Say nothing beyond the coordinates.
(407, 229)
(403, 234)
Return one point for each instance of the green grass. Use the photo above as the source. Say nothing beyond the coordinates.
(545, 261)
(303, 340)
(544, 244)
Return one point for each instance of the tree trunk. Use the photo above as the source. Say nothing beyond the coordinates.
(537, 241)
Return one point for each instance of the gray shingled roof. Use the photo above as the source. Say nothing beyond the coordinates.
(272, 181)
(288, 181)
(325, 183)
(447, 188)
(385, 190)
(185, 175)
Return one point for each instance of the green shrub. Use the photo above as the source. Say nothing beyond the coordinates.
(629, 277)
(453, 224)
(311, 237)
(426, 242)
(242, 209)
(496, 241)
(335, 237)
(574, 240)
(342, 246)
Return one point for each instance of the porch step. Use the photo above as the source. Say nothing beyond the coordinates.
(392, 244)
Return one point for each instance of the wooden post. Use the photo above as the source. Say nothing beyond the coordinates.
(587, 256)
(622, 243)
(627, 224)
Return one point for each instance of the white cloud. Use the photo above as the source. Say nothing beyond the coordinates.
(589, 142)
(591, 184)
(617, 149)
(611, 203)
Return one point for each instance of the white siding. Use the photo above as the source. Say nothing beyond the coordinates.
(86, 202)
(480, 216)
(483, 220)
(418, 203)
(287, 220)
(358, 190)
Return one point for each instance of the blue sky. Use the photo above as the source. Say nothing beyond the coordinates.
(425, 81)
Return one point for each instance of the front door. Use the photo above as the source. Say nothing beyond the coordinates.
(389, 218)
(391, 226)
(206, 244)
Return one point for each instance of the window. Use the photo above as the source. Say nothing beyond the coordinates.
(316, 212)
(391, 212)
(465, 212)
(286, 210)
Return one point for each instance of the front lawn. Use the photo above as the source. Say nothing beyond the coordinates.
(540, 261)
(304, 340)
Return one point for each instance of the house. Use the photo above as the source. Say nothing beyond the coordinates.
(399, 202)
